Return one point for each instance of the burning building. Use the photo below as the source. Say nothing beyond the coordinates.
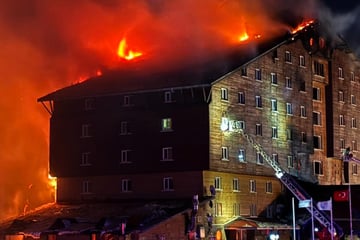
(236, 131)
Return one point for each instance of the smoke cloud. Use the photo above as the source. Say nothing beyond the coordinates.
(47, 45)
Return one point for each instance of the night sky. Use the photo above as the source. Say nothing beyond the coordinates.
(50, 44)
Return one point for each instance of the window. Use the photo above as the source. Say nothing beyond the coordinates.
(317, 142)
(244, 71)
(235, 185)
(302, 61)
(166, 124)
(252, 186)
(218, 209)
(236, 209)
(258, 129)
(268, 187)
(302, 86)
(126, 185)
(224, 153)
(353, 122)
(288, 83)
(341, 120)
(287, 56)
(241, 124)
(85, 159)
(302, 111)
(258, 74)
(353, 99)
(289, 134)
(341, 96)
(274, 105)
(241, 97)
(354, 145)
(318, 168)
(224, 94)
(259, 158)
(258, 102)
(275, 157)
(168, 97)
(168, 184)
(274, 132)
(316, 94)
(127, 101)
(167, 154)
(319, 69)
(274, 79)
(124, 128)
(86, 130)
(289, 110)
(303, 137)
(86, 187)
(316, 118)
(342, 143)
(253, 210)
(352, 76)
(125, 156)
(217, 183)
(354, 169)
(290, 161)
(340, 73)
(242, 157)
(270, 211)
(89, 104)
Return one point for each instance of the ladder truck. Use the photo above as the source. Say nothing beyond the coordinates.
(294, 187)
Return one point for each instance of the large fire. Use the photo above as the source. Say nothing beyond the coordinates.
(49, 44)
(302, 25)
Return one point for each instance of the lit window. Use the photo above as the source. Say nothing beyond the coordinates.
(224, 153)
(241, 97)
(316, 94)
(274, 105)
(341, 120)
(89, 104)
(258, 129)
(290, 161)
(289, 110)
(342, 144)
(124, 158)
(167, 154)
(168, 184)
(317, 142)
(341, 96)
(319, 69)
(86, 187)
(287, 56)
(126, 185)
(318, 168)
(86, 130)
(224, 94)
(341, 74)
(302, 61)
(258, 102)
(217, 183)
(259, 158)
(166, 124)
(274, 78)
(353, 99)
(258, 74)
(353, 122)
(252, 186)
(288, 83)
(168, 97)
(354, 169)
(268, 187)
(274, 132)
(85, 159)
(316, 118)
(242, 157)
(303, 111)
(235, 184)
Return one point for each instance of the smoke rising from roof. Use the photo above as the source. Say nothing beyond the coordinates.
(50, 44)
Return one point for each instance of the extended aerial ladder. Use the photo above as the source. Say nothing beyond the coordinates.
(294, 187)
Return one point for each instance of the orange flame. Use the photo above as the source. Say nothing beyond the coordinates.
(125, 53)
(302, 26)
(243, 37)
